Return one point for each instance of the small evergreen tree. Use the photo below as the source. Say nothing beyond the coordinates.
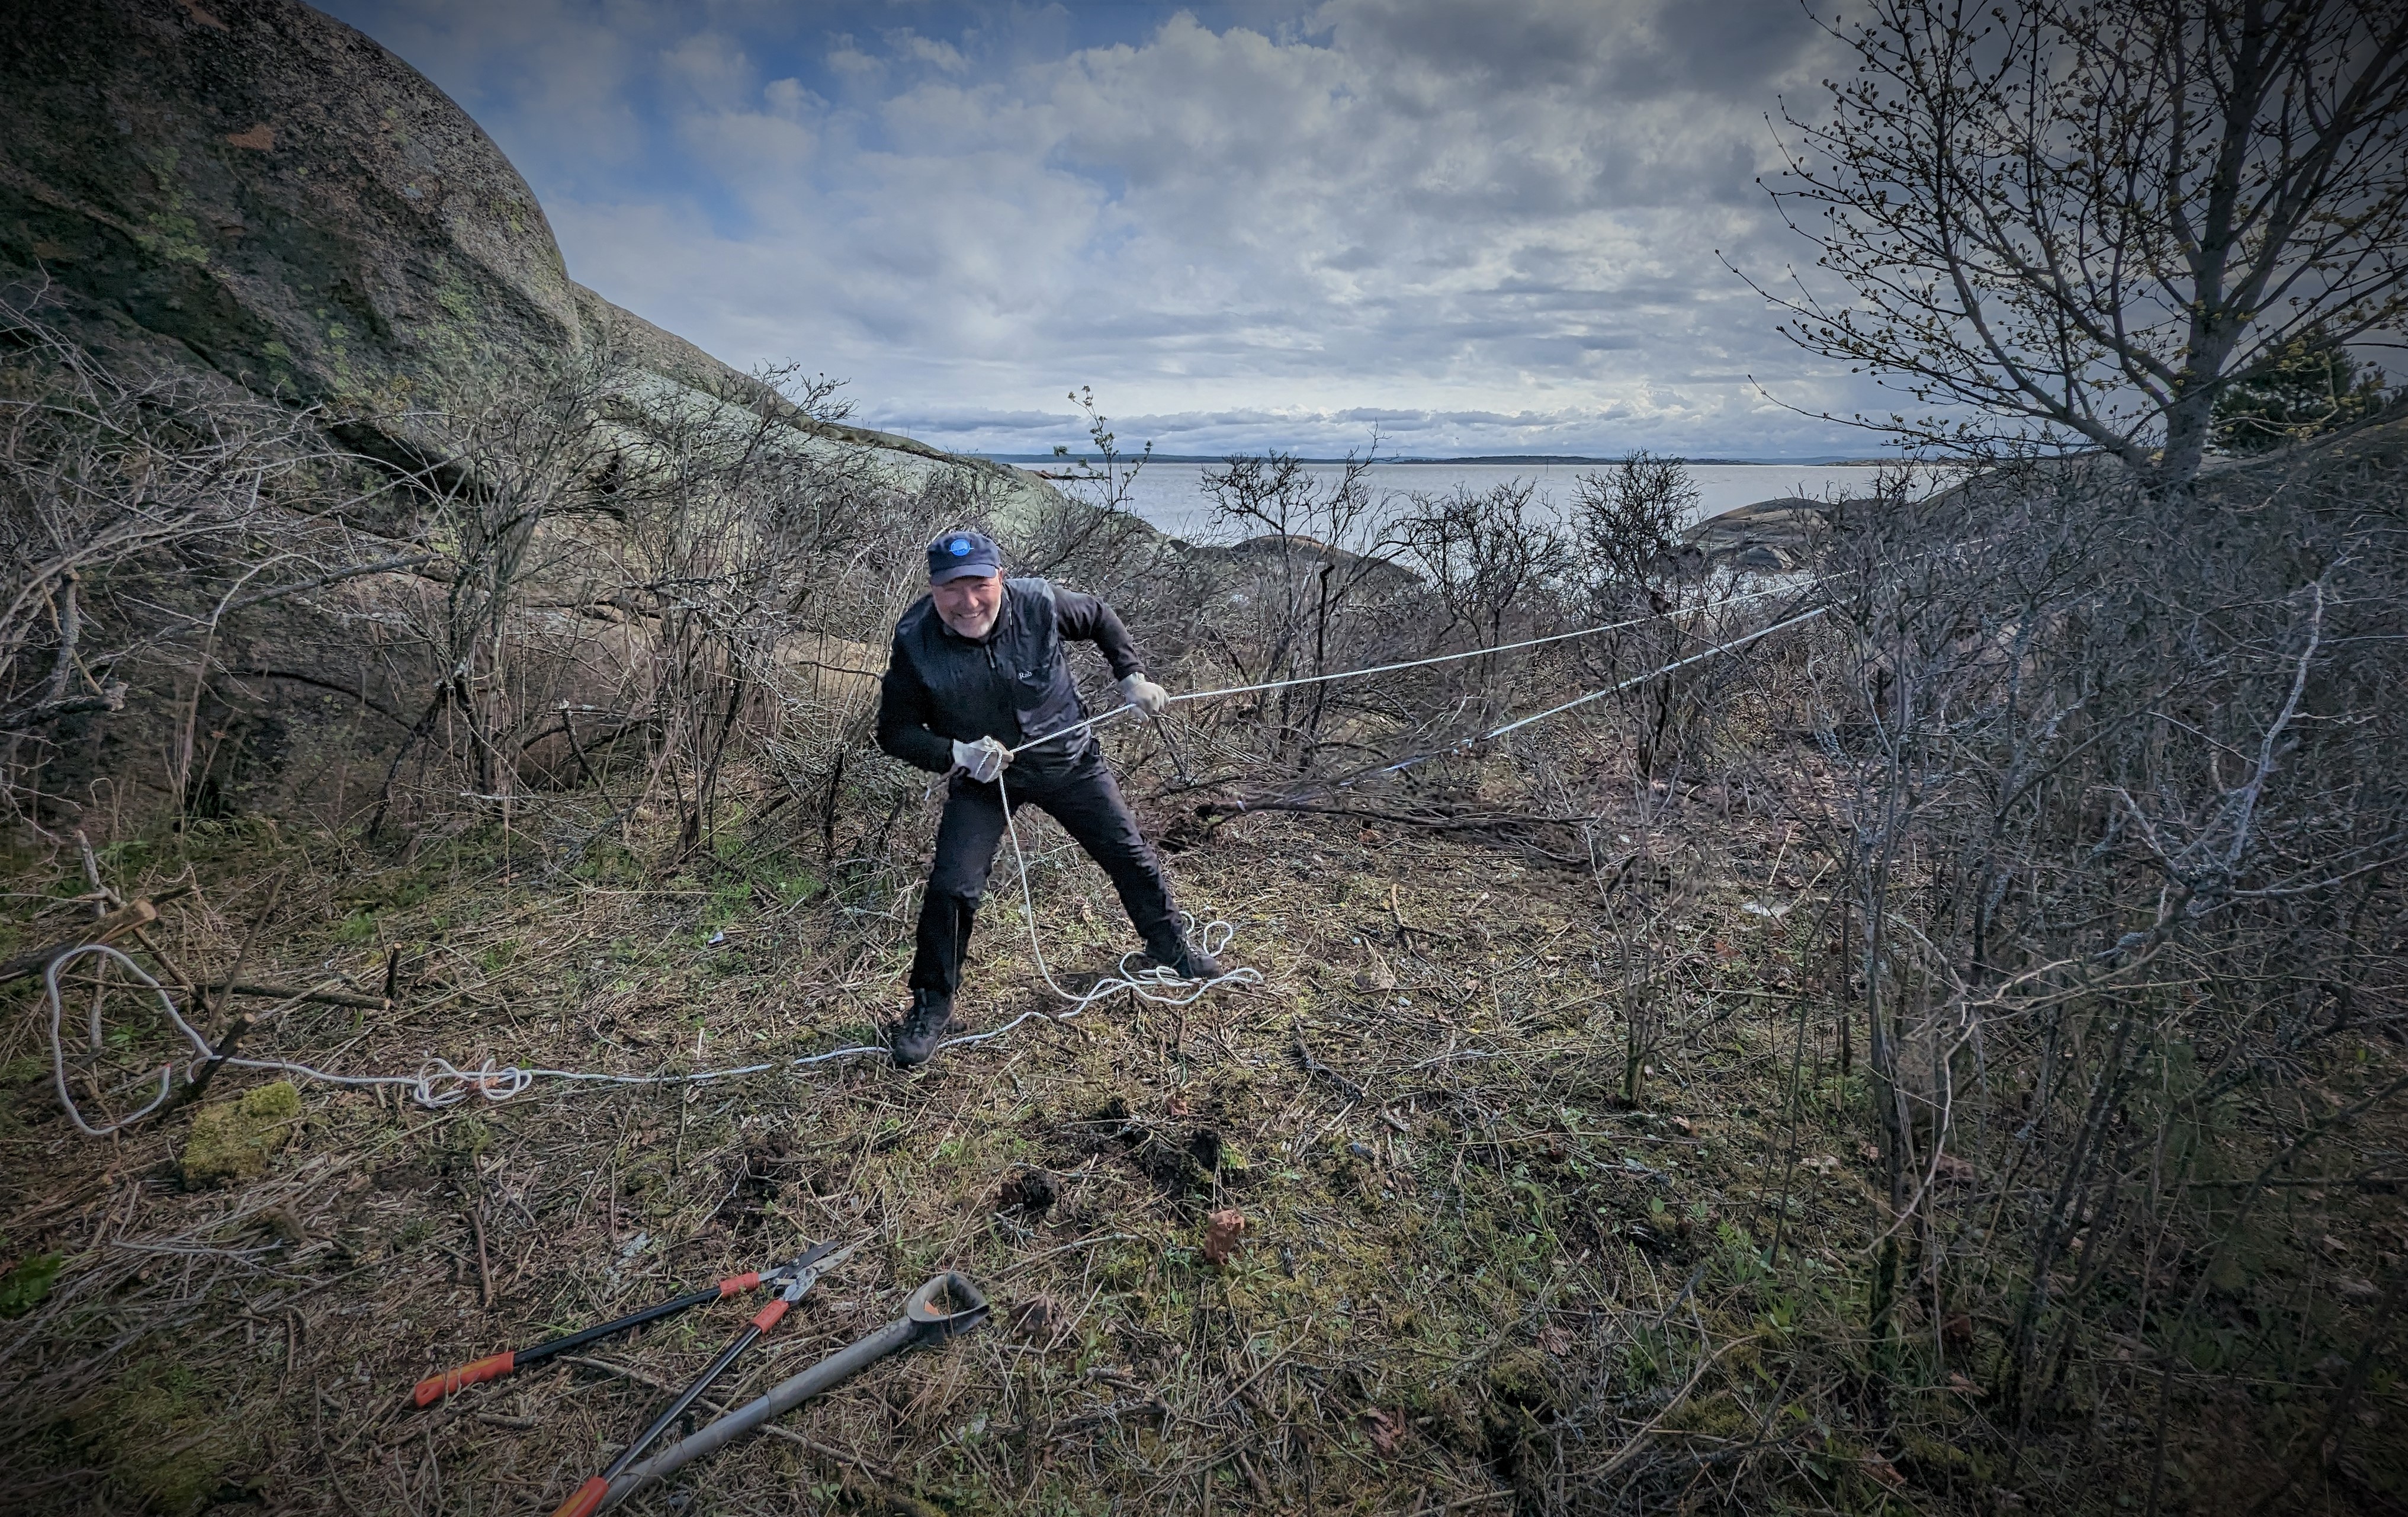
(2311, 386)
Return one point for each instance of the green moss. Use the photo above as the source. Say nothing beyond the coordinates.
(1519, 1378)
(458, 300)
(24, 1287)
(234, 1140)
(175, 238)
(1718, 1415)
(156, 1434)
(464, 1142)
(1934, 1455)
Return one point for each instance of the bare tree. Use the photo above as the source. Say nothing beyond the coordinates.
(1089, 532)
(1303, 586)
(2061, 224)
(1488, 559)
(738, 524)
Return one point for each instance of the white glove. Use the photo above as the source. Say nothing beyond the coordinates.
(1145, 694)
(982, 760)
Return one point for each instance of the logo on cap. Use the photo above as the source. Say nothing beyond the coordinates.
(959, 547)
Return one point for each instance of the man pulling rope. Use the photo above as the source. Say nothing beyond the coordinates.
(976, 680)
(439, 1083)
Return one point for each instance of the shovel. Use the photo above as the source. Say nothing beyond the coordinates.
(945, 1306)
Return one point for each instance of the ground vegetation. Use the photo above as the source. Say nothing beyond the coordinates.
(1942, 1055)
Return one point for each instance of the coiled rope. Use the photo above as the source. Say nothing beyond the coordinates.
(440, 1084)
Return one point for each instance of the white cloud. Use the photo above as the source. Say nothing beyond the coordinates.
(1493, 224)
(926, 49)
(845, 58)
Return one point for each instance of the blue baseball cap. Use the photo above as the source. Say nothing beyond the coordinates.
(957, 554)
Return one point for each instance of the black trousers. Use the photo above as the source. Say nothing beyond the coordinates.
(1082, 796)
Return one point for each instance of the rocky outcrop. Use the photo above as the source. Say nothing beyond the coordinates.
(255, 188)
(247, 201)
(1770, 537)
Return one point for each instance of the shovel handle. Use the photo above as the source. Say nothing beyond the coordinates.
(945, 1306)
(585, 1499)
(435, 1387)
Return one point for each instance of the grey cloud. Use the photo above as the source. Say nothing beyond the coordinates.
(1405, 214)
(1734, 46)
(1636, 48)
(948, 422)
(1547, 43)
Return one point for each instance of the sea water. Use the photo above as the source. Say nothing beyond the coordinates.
(1172, 496)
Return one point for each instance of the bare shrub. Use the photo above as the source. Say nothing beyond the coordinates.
(2118, 831)
(1496, 571)
(1626, 527)
(160, 537)
(504, 470)
(1087, 533)
(1302, 592)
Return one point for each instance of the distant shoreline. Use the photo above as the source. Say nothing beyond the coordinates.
(1491, 460)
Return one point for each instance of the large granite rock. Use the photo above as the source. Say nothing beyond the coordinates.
(253, 199)
(255, 187)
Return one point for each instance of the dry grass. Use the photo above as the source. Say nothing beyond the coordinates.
(1450, 1228)
(1471, 1281)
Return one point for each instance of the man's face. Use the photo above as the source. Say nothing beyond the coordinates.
(969, 604)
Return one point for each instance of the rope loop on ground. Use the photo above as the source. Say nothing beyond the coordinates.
(439, 1083)
(58, 1041)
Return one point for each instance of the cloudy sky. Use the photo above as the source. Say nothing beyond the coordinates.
(1462, 226)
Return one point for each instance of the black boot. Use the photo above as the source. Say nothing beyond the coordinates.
(929, 1015)
(1174, 952)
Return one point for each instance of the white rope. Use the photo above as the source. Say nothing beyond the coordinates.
(1158, 985)
(440, 1084)
(59, 1047)
(1673, 667)
(1435, 658)
(1653, 674)
(437, 1082)
(1479, 652)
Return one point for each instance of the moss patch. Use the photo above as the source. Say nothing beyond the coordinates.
(27, 1282)
(157, 1436)
(234, 1140)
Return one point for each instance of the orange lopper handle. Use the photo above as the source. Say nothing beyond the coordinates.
(584, 1499)
(435, 1387)
(769, 1314)
(734, 1284)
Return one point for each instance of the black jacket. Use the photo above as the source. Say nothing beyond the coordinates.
(1011, 685)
